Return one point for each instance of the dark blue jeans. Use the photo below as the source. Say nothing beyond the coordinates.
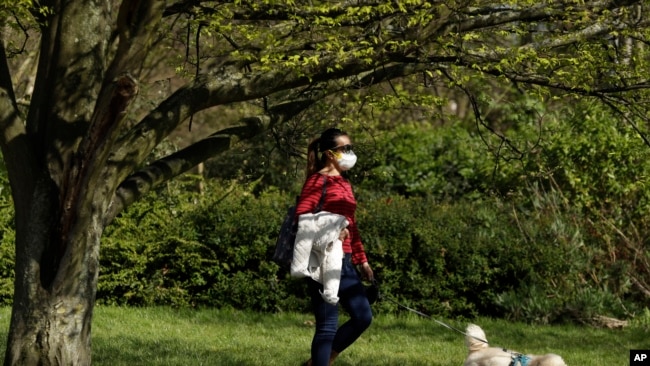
(353, 299)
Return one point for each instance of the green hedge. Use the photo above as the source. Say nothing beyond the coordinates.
(481, 257)
(7, 252)
(198, 250)
(474, 257)
(533, 257)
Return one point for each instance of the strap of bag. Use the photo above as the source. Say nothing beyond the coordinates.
(319, 207)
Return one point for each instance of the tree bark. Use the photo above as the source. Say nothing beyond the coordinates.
(51, 318)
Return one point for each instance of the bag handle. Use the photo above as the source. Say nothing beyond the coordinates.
(319, 207)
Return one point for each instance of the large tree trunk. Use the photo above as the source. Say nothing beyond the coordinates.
(51, 318)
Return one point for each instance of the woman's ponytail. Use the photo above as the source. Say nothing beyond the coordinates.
(312, 157)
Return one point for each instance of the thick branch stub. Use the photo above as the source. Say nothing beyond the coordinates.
(108, 117)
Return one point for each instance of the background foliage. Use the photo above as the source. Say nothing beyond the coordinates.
(450, 227)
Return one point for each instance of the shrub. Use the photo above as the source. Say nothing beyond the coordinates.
(7, 251)
(526, 261)
(7, 239)
(208, 250)
(461, 259)
(446, 162)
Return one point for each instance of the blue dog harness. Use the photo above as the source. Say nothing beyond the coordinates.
(519, 360)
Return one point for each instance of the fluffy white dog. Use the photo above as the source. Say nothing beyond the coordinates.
(481, 354)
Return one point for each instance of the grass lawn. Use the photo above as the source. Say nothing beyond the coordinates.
(164, 336)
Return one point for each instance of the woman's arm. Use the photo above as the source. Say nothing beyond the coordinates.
(358, 252)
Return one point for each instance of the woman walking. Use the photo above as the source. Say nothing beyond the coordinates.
(328, 157)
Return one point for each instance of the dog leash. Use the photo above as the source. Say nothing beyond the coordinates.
(518, 359)
(381, 296)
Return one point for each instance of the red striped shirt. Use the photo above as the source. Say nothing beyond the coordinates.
(339, 199)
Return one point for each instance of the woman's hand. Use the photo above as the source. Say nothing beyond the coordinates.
(344, 234)
(366, 272)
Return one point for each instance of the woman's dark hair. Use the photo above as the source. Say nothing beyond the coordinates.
(320, 145)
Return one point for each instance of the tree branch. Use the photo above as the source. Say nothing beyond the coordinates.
(135, 21)
(207, 92)
(492, 16)
(80, 183)
(18, 154)
(276, 12)
(160, 171)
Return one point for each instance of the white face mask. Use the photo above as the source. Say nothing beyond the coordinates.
(346, 160)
